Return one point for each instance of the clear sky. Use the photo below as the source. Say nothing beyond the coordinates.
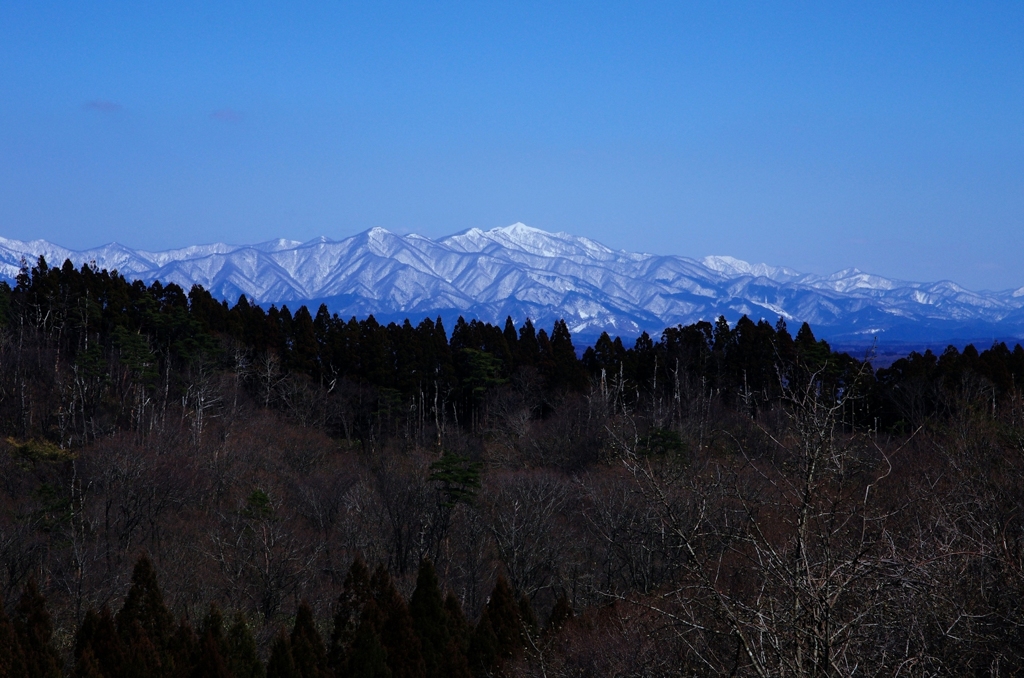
(886, 136)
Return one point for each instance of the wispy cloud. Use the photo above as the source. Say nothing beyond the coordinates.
(227, 115)
(102, 105)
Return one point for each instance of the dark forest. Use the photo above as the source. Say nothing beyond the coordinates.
(192, 488)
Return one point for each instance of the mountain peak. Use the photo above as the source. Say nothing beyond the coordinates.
(523, 238)
(724, 263)
(520, 228)
(274, 245)
(523, 233)
(733, 267)
(523, 271)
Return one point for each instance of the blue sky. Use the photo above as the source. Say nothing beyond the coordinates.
(885, 136)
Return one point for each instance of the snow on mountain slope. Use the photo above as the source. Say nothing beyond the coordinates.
(731, 267)
(522, 271)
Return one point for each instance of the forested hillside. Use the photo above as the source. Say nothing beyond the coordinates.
(191, 488)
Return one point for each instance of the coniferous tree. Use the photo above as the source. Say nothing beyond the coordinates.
(498, 636)
(98, 636)
(348, 613)
(213, 626)
(505, 618)
(561, 613)
(813, 353)
(210, 662)
(281, 663)
(243, 657)
(86, 666)
(405, 658)
(308, 649)
(605, 355)
(182, 650)
(511, 339)
(142, 658)
(529, 349)
(643, 363)
(545, 361)
(367, 657)
(144, 624)
(212, 653)
(483, 647)
(429, 618)
(459, 629)
(454, 661)
(783, 341)
(303, 348)
(566, 370)
(35, 632)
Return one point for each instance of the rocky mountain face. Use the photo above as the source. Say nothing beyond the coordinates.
(522, 272)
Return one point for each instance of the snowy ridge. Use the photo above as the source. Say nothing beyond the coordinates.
(526, 272)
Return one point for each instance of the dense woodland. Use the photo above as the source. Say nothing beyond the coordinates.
(191, 488)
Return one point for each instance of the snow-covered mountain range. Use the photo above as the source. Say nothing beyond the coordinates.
(526, 272)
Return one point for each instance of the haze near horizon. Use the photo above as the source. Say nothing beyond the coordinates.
(890, 139)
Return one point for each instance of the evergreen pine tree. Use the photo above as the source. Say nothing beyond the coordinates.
(210, 662)
(805, 337)
(281, 663)
(459, 629)
(98, 635)
(723, 335)
(511, 339)
(528, 348)
(498, 637)
(354, 595)
(35, 632)
(505, 619)
(144, 613)
(303, 348)
(142, 659)
(182, 651)
(454, 660)
(429, 618)
(813, 354)
(545, 360)
(243, 657)
(405, 658)
(561, 613)
(213, 627)
(86, 666)
(567, 371)
(483, 647)
(86, 632)
(308, 649)
(367, 657)
(453, 663)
